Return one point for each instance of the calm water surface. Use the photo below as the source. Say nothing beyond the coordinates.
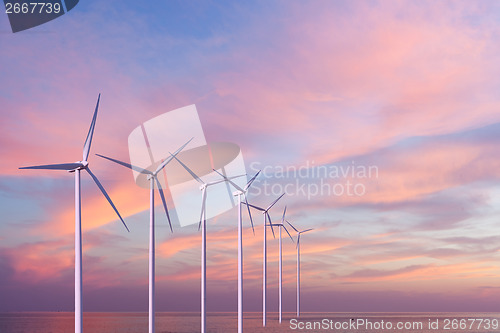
(180, 322)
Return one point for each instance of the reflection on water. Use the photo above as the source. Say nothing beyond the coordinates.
(180, 322)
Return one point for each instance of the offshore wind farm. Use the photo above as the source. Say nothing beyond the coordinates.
(262, 166)
(152, 177)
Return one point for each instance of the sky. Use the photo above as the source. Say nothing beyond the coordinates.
(380, 119)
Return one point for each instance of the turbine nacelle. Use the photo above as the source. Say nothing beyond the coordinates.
(83, 165)
(298, 232)
(237, 193)
(283, 226)
(265, 211)
(241, 192)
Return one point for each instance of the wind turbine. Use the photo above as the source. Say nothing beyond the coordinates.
(265, 212)
(298, 264)
(153, 178)
(203, 188)
(281, 225)
(76, 167)
(241, 192)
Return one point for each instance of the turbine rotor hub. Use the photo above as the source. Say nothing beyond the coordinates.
(84, 165)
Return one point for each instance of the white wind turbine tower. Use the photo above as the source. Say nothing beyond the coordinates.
(280, 278)
(298, 264)
(203, 188)
(240, 192)
(265, 212)
(153, 178)
(76, 167)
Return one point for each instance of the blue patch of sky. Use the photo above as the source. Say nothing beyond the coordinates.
(166, 37)
(24, 203)
(25, 199)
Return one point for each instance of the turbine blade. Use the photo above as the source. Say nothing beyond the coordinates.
(274, 202)
(306, 230)
(251, 181)
(298, 240)
(283, 218)
(203, 205)
(271, 225)
(292, 226)
(249, 214)
(216, 182)
(127, 165)
(188, 170)
(63, 166)
(287, 232)
(106, 195)
(229, 180)
(168, 159)
(162, 195)
(223, 180)
(258, 208)
(88, 141)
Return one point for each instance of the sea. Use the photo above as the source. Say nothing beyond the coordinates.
(180, 322)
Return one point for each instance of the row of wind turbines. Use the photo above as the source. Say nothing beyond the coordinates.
(240, 192)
